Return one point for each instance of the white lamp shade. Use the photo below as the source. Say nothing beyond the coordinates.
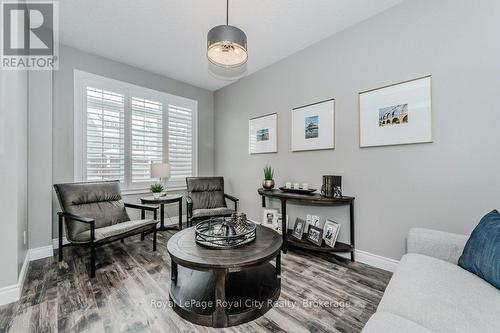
(160, 170)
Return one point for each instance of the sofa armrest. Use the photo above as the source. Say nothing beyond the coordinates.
(438, 244)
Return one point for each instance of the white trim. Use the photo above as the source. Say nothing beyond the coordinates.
(41, 252)
(375, 260)
(12, 293)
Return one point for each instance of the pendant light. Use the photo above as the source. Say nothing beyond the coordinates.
(227, 45)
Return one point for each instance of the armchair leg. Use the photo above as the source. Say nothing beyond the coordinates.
(154, 239)
(60, 249)
(92, 260)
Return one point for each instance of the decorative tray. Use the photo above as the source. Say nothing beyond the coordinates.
(298, 191)
(225, 233)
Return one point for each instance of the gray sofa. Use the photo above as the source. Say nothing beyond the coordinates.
(429, 292)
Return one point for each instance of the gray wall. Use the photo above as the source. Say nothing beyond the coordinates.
(40, 158)
(71, 59)
(13, 173)
(446, 185)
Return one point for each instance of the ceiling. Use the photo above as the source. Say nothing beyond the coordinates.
(168, 37)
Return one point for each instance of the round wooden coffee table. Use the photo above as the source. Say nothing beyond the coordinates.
(221, 288)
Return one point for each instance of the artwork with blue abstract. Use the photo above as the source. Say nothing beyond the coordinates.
(312, 127)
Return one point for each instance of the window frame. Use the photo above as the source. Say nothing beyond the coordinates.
(82, 80)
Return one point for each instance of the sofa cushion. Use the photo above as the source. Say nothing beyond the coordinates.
(207, 213)
(481, 255)
(441, 296)
(385, 322)
(119, 229)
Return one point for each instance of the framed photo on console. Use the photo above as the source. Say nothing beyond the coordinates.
(270, 217)
(298, 229)
(397, 114)
(331, 232)
(277, 226)
(313, 126)
(314, 235)
(263, 134)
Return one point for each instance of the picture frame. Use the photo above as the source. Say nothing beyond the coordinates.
(315, 235)
(331, 232)
(269, 217)
(298, 228)
(396, 114)
(277, 226)
(263, 134)
(313, 126)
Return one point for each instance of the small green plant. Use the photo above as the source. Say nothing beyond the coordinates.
(156, 188)
(268, 172)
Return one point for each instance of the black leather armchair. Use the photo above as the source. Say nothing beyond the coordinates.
(206, 199)
(94, 215)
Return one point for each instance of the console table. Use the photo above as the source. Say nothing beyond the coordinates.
(312, 200)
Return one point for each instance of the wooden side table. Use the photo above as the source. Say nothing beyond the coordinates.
(162, 201)
(222, 288)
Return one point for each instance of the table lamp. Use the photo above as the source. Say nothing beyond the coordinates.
(160, 171)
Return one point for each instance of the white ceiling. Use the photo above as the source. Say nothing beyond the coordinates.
(168, 37)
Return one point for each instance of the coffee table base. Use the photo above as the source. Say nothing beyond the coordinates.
(223, 298)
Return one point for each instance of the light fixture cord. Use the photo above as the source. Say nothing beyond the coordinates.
(227, 12)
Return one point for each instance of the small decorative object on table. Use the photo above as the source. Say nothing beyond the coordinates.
(160, 171)
(225, 233)
(278, 225)
(156, 189)
(331, 232)
(329, 185)
(268, 182)
(314, 235)
(298, 229)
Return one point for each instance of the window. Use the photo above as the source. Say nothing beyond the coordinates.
(120, 129)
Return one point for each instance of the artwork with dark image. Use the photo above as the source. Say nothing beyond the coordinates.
(311, 127)
(263, 134)
(393, 115)
(329, 232)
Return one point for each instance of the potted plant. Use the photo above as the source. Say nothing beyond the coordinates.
(156, 189)
(268, 182)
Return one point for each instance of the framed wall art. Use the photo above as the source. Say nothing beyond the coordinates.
(397, 114)
(263, 134)
(313, 126)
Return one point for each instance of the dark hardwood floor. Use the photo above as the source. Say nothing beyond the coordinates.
(130, 294)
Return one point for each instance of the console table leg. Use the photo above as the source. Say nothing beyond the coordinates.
(278, 265)
(351, 220)
(284, 230)
(263, 201)
(219, 317)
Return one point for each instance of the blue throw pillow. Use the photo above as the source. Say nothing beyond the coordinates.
(481, 254)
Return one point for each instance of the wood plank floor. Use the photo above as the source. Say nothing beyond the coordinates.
(132, 285)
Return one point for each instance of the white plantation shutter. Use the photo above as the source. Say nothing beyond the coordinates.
(147, 137)
(180, 142)
(121, 128)
(105, 157)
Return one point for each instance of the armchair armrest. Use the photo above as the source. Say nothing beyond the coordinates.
(230, 197)
(72, 217)
(143, 209)
(233, 199)
(438, 244)
(75, 217)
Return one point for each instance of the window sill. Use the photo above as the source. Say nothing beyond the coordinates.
(147, 191)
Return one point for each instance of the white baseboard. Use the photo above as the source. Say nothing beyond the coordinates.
(41, 252)
(375, 260)
(12, 293)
